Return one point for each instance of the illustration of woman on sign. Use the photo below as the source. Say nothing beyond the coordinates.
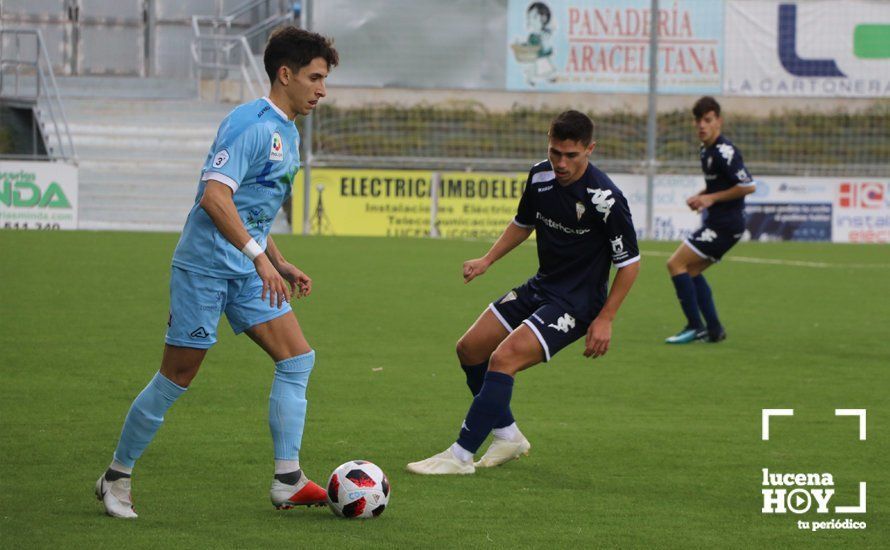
(535, 53)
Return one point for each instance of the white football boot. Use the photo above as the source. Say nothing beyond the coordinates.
(443, 463)
(115, 495)
(504, 450)
(304, 493)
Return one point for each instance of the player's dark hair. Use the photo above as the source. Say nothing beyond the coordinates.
(542, 10)
(704, 106)
(573, 125)
(296, 48)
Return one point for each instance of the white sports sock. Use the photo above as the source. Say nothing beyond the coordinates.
(461, 454)
(286, 466)
(118, 467)
(507, 432)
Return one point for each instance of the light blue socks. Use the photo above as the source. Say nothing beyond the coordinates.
(287, 404)
(145, 417)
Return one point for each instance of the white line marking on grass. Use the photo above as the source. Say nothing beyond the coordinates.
(772, 261)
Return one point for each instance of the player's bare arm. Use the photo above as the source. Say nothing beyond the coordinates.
(217, 202)
(599, 334)
(695, 196)
(300, 283)
(512, 237)
(703, 201)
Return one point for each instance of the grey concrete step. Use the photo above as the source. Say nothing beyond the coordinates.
(126, 87)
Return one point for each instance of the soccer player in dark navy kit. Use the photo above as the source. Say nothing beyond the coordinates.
(722, 204)
(584, 227)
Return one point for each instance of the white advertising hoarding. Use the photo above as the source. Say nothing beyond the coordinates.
(843, 210)
(800, 49)
(603, 46)
(38, 195)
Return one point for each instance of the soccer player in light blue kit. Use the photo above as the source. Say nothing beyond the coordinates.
(226, 261)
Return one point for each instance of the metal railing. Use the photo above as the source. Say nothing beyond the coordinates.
(222, 46)
(226, 55)
(28, 78)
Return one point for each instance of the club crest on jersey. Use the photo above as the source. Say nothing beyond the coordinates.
(617, 245)
(710, 162)
(600, 199)
(221, 159)
(579, 210)
(277, 151)
(564, 323)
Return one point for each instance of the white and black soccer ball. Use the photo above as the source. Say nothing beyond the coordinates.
(358, 489)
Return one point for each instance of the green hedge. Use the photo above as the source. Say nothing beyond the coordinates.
(801, 140)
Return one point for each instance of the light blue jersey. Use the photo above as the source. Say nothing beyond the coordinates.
(256, 153)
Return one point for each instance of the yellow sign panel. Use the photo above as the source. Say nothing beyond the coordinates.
(397, 203)
(477, 205)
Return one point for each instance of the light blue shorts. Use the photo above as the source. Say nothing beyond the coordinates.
(197, 302)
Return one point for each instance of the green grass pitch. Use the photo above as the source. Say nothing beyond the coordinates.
(650, 446)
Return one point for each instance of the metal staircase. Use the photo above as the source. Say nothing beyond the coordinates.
(223, 46)
(27, 82)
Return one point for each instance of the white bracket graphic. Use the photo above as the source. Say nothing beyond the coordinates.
(766, 414)
(854, 412)
(854, 509)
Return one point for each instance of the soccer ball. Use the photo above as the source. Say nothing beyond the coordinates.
(358, 489)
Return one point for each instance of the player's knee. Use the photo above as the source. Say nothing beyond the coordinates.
(466, 352)
(675, 266)
(505, 359)
(180, 374)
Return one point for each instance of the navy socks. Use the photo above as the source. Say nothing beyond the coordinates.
(706, 303)
(488, 408)
(686, 293)
(475, 378)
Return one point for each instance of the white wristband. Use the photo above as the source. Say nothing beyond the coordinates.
(252, 249)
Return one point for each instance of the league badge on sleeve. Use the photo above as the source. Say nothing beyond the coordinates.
(277, 151)
(221, 159)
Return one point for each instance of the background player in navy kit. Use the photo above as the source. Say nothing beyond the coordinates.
(226, 261)
(583, 227)
(722, 203)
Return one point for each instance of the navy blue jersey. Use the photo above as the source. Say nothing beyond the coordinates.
(582, 230)
(723, 167)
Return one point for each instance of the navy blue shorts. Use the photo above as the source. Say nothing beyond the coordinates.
(554, 327)
(711, 244)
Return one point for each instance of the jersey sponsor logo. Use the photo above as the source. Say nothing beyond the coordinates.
(707, 236)
(199, 332)
(579, 210)
(726, 151)
(564, 323)
(547, 188)
(560, 227)
(277, 151)
(221, 159)
(509, 297)
(600, 199)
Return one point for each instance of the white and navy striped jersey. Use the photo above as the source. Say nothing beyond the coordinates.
(582, 230)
